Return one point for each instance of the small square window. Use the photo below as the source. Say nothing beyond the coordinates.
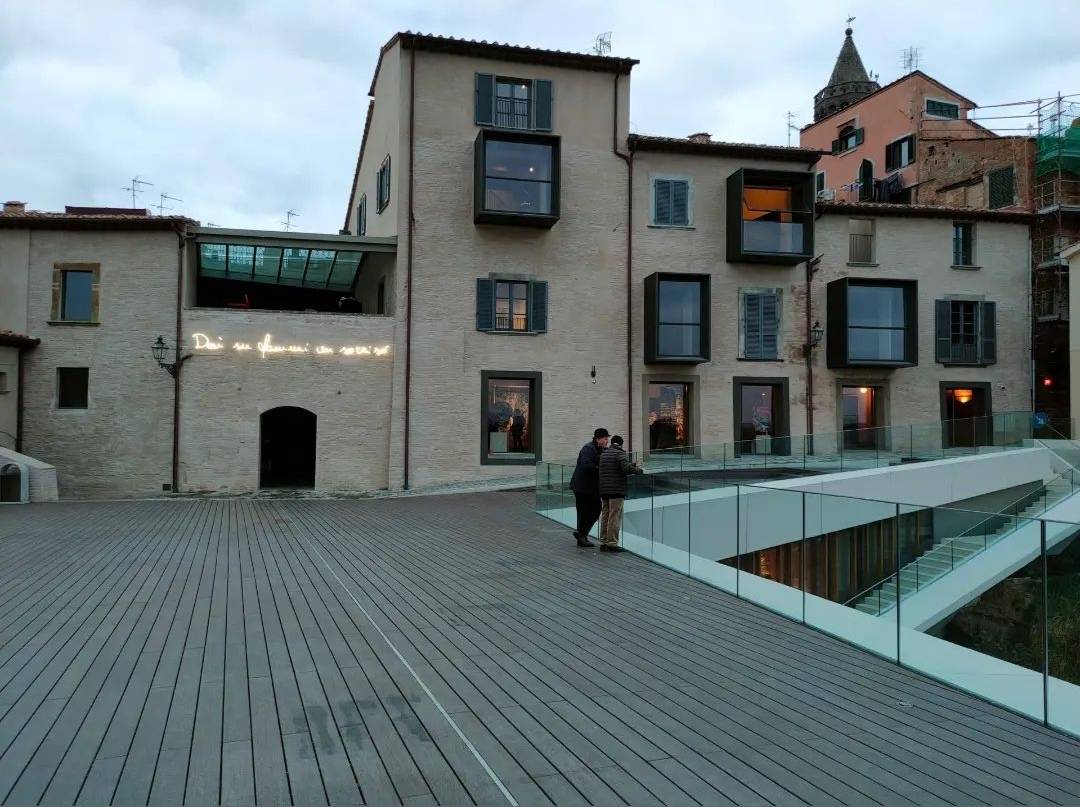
(671, 202)
(76, 300)
(942, 109)
(72, 387)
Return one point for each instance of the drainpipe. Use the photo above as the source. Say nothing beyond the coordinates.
(629, 160)
(811, 267)
(180, 243)
(409, 267)
(20, 380)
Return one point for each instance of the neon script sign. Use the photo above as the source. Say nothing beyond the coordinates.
(267, 347)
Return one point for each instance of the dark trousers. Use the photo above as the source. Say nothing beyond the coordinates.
(588, 513)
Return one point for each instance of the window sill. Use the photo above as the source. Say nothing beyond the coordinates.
(671, 227)
(760, 361)
(966, 363)
(676, 359)
(72, 322)
(861, 263)
(509, 332)
(965, 267)
(508, 459)
(546, 220)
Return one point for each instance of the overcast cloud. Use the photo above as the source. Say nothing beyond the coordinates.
(245, 109)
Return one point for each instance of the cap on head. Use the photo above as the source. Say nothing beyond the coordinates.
(616, 440)
(601, 432)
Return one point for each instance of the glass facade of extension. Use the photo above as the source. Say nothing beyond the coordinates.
(329, 269)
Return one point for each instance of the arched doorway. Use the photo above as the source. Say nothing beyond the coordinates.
(866, 181)
(287, 448)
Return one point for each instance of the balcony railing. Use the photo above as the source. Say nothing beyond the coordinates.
(862, 248)
(773, 236)
(512, 113)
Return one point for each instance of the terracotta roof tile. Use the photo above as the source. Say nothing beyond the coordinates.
(723, 148)
(12, 339)
(926, 211)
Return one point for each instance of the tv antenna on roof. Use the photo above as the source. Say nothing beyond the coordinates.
(160, 206)
(602, 45)
(289, 216)
(911, 59)
(135, 188)
(791, 126)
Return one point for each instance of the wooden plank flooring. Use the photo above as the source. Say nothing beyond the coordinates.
(446, 650)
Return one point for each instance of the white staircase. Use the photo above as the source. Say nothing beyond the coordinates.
(946, 555)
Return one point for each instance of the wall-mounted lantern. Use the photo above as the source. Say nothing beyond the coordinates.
(161, 351)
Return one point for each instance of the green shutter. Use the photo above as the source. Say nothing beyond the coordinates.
(485, 99)
(752, 333)
(770, 326)
(662, 201)
(858, 137)
(541, 95)
(836, 146)
(485, 304)
(988, 332)
(680, 202)
(538, 306)
(943, 331)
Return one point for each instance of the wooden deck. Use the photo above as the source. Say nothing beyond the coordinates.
(453, 649)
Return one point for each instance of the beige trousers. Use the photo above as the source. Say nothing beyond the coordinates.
(611, 521)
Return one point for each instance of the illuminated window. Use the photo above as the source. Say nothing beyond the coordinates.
(511, 305)
(517, 179)
(669, 416)
(510, 414)
(770, 216)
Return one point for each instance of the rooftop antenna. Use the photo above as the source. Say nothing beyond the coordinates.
(911, 59)
(289, 216)
(134, 188)
(602, 45)
(791, 126)
(160, 206)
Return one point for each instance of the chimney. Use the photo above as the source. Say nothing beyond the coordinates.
(700, 137)
(14, 207)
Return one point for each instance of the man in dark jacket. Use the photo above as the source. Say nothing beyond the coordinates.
(586, 485)
(615, 467)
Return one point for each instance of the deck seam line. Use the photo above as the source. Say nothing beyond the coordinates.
(446, 715)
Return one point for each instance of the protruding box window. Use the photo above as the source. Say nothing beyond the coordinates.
(516, 179)
(677, 318)
(872, 323)
(770, 216)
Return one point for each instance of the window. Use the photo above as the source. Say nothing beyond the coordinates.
(380, 300)
(759, 336)
(866, 181)
(3, 381)
(761, 415)
(510, 418)
(770, 216)
(965, 332)
(361, 215)
(517, 178)
(504, 304)
(513, 103)
(849, 138)
(860, 240)
(900, 153)
(819, 182)
(77, 295)
(383, 186)
(1002, 182)
(942, 109)
(671, 202)
(669, 416)
(871, 323)
(72, 387)
(677, 318)
(963, 243)
(861, 417)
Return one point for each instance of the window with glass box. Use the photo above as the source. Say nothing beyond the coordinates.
(963, 243)
(76, 300)
(510, 412)
(517, 178)
(871, 323)
(677, 318)
(72, 387)
(770, 216)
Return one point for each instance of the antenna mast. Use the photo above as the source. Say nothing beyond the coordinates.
(602, 45)
(289, 216)
(134, 188)
(911, 59)
(791, 126)
(160, 206)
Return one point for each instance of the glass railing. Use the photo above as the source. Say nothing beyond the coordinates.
(1000, 619)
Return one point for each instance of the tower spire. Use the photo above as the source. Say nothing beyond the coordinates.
(849, 80)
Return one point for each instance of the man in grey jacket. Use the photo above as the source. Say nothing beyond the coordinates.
(615, 467)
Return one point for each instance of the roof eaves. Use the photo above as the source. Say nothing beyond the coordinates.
(12, 339)
(359, 158)
(512, 53)
(925, 211)
(721, 148)
(41, 220)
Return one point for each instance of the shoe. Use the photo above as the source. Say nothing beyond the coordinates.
(585, 542)
(611, 548)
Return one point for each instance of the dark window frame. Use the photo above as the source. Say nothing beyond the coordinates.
(65, 274)
(652, 318)
(382, 186)
(84, 397)
(942, 104)
(380, 297)
(958, 256)
(539, 115)
(781, 440)
(849, 137)
(510, 298)
(482, 215)
(981, 347)
(59, 287)
(800, 182)
(361, 215)
(535, 407)
(894, 153)
(837, 348)
(692, 386)
(536, 304)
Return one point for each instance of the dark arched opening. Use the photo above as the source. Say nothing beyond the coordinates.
(866, 181)
(287, 448)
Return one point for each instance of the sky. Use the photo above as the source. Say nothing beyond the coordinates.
(244, 109)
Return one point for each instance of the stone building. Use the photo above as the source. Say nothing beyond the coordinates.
(514, 269)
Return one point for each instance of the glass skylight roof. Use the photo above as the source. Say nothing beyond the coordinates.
(331, 269)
